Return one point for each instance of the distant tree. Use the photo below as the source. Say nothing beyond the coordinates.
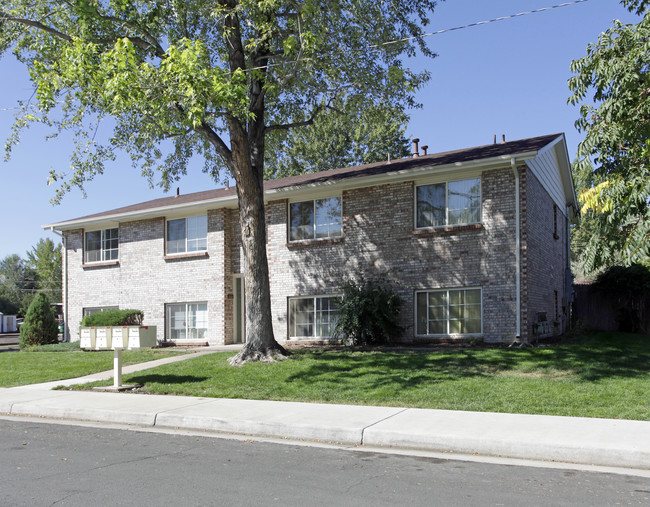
(17, 282)
(45, 260)
(352, 133)
(40, 326)
(612, 165)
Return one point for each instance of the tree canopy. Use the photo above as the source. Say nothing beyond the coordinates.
(173, 74)
(612, 161)
(342, 136)
(179, 78)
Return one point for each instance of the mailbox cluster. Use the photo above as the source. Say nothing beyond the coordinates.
(117, 338)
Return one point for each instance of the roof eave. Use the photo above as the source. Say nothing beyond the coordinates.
(138, 215)
(284, 192)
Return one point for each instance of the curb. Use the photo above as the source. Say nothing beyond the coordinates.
(587, 441)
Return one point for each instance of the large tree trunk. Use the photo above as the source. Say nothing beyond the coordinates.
(260, 342)
(247, 151)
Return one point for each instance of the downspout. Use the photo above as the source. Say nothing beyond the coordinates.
(513, 164)
(64, 255)
(568, 275)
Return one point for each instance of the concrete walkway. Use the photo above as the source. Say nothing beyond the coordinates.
(589, 441)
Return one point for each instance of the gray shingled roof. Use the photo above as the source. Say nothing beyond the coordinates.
(436, 159)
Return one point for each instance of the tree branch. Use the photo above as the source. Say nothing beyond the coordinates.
(291, 75)
(215, 140)
(149, 40)
(305, 123)
(171, 135)
(36, 24)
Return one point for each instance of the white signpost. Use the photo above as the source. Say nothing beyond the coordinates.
(117, 339)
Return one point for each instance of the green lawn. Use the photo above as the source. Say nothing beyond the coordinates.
(601, 375)
(58, 362)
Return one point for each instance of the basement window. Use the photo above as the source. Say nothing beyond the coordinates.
(448, 312)
(187, 321)
(312, 317)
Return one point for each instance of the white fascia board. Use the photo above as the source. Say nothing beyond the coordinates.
(286, 192)
(406, 174)
(130, 216)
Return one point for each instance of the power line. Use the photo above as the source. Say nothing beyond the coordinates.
(478, 23)
(398, 41)
(438, 32)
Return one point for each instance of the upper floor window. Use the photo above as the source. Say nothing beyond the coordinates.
(449, 203)
(317, 219)
(101, 245)
(187, 235)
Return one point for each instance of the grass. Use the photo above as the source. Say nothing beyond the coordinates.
(64, 360)
(597, 375)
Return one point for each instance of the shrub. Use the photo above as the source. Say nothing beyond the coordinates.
(368, 313)
(628, 290)
(114, 317)
(40, 326)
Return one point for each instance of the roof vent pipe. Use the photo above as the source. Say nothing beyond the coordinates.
(416, 152)
(503, 138)
(178, 191)
(424, 149)
(495, 139)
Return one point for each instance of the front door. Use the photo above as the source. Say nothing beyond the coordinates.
(239, 310)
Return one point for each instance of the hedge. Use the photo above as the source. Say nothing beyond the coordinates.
(114, 318)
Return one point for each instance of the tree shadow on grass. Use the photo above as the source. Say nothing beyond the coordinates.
(399, 371)
(166, 379)
(593, 359)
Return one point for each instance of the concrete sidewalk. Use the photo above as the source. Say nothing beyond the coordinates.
(601, 442)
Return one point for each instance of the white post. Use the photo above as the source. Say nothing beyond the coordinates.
(117, 368)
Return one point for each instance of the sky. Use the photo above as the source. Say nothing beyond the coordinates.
(505, 78)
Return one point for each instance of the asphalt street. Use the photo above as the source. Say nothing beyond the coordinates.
(52, 464)
(9, 342)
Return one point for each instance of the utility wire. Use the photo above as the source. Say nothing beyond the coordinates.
(398, 41)
(438, 32)
(478, 23)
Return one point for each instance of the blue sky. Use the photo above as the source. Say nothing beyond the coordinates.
(508, 77)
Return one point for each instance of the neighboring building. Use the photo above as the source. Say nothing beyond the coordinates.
(443, 227)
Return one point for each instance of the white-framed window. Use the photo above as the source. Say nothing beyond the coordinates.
(97, 309)
(101, 245)
(187, 235)
(448, 203)
(315, 219)
(187, 321)
(312, 317)
(448, 312)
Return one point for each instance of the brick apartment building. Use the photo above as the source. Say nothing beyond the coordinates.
(475, 241)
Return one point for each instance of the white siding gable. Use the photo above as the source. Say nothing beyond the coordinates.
(546, 167)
